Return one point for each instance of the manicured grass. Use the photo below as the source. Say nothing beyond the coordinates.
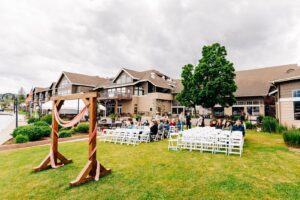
(267, 170)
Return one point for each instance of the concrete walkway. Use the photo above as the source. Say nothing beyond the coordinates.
(5, 134)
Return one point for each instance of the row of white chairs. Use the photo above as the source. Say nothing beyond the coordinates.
(125, 136)
(208, 139)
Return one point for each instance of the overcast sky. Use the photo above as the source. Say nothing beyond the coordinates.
(39, 39)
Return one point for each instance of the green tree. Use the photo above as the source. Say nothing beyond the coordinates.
(187, 96)
(21, 95)
(214, 78)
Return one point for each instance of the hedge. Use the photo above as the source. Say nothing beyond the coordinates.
(47, 118)
(82, 128)
(22, 139)
(249, 125)
(32, 132)
(65, 133)
(292, 138)
(40, 123)
(32, 120)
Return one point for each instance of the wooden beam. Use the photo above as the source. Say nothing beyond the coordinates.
(76, 96)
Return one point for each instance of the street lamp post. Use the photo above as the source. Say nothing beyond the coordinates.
(16, 106)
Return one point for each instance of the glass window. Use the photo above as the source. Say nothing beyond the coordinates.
(297, 110)
(253, 110)
(219, 111)
(139, 91)
(296, 93)
(237, 110)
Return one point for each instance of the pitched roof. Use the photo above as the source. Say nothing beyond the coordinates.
(291, 75)
(83, 79)
(160, 80)
(53, 84)
(39, 89)
(256, 82)
(178, 86)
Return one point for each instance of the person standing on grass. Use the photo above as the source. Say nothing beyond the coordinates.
(239, 127)
(200, 121)
(188, 121)
(243, 117)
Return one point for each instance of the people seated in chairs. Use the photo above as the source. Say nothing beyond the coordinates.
(213, 123)
(238, 126)
(153, 130)
(179, 125)
(146, 123)
(227, 126)
(166, 128)
(161, 127)
(131, 125)
(219, 124)
(173, 122)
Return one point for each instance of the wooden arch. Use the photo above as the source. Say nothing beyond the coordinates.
(93, 170)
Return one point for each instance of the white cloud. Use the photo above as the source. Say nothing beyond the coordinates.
(39, 39)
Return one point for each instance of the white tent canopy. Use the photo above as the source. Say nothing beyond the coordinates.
(69, 106)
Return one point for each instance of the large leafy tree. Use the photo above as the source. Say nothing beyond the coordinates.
(187, 96)
(211, 82)
(214, 78)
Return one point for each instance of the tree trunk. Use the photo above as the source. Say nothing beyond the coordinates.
(212, 113)
(195, 110)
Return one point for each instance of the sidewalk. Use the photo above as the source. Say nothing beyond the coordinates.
(6, 132)
(42, 142)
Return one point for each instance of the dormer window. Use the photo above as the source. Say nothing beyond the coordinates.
(290, 70)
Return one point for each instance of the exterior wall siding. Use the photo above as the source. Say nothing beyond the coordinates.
(287, 88)
(287, 114)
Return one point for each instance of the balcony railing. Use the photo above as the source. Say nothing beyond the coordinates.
(115, 95)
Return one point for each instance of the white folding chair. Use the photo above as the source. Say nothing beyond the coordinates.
(236, 143)
(173, 141)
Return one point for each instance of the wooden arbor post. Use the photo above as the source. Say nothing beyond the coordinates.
(93, 169)
(51, 160)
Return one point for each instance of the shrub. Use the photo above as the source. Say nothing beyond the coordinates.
(32, 120)
(235, 117)
(82, 128)
(292, 138)
(45, 131)
(17, 131)
(281, 128)
(47, 118)
(64, 133)
(249, 125)
(269, 124)
(41, 123)
(22, 139)
(32, 132)
(73, 130)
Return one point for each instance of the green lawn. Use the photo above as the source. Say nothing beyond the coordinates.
(267, 170)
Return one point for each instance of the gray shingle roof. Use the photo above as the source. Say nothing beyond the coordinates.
(256, 82)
